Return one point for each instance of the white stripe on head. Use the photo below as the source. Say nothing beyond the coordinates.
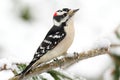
(61, 13)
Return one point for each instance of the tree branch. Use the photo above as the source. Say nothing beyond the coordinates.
(64, 62)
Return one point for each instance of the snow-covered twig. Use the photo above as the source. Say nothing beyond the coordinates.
(63, 62)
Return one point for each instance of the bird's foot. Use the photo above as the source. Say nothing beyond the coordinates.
(76, 56)
(58, 61)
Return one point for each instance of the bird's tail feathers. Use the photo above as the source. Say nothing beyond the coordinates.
(27, 69)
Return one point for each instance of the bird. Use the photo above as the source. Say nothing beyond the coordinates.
(57, 41)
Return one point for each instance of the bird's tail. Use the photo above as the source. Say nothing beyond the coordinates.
(27, 69)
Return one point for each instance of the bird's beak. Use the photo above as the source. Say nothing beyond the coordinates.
(72, 12)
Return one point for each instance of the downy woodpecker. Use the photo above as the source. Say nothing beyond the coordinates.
(57, 41)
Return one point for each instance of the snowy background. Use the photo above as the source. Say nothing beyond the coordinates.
(95, 20)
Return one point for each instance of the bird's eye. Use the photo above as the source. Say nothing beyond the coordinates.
(66, 9)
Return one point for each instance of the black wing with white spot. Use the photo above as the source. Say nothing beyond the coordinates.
(54, 36)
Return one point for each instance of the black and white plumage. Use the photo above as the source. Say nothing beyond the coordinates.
(57, 41)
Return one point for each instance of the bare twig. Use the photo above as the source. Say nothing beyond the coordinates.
(115, 45)
(3, 67)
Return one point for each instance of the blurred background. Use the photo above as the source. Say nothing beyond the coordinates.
(24, 23)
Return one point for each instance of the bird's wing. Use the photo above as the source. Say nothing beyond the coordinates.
(54, 36)
(51, 40)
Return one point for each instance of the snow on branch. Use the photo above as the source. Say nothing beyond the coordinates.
(63, 62)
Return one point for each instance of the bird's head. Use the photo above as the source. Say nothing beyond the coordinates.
(61, 16)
